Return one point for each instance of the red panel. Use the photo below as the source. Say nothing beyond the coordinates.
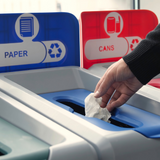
(155, 82)
(106, 36)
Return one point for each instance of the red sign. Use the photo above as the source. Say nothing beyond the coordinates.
(106, 36)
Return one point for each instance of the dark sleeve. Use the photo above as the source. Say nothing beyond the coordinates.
(144, 60)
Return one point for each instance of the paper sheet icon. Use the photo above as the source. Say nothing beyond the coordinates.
(27, 26)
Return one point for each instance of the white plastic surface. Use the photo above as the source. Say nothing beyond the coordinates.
(108, 145)
(64, 144)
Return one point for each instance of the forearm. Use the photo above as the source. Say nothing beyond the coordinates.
(144, 60)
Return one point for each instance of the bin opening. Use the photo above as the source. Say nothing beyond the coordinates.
(119, 124)
(126, 117)
(80, 109)
(77, 108)
(2, 152)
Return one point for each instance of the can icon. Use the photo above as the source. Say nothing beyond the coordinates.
(118, 25)
(111, 24)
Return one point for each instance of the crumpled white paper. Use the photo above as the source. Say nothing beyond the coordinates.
(93, 109)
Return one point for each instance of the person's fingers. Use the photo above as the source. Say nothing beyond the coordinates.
(111, 75)
(98, 85)
(103, 78)
(106, 97)
(117, 102)
(115, 96)
(117, 77)
(104, 85)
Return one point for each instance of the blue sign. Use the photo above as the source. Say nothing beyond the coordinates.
(39, 40)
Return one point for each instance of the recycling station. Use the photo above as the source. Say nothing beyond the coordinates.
(49, 63)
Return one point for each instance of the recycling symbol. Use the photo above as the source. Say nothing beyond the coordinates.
(55, 51)
(134, 44)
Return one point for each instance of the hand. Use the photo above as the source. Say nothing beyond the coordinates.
(117, 85)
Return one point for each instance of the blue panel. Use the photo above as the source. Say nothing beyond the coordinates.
(39, 40)
(141, 121)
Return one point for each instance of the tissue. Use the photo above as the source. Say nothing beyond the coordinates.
(93, 109)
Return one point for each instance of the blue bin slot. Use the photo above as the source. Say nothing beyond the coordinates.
(50, 97)
(125, 117)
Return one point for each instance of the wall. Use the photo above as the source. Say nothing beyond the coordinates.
(73, 6)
